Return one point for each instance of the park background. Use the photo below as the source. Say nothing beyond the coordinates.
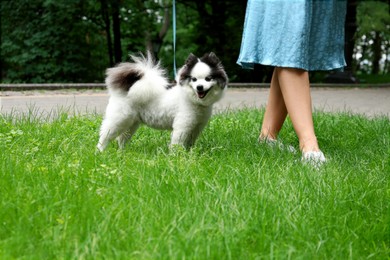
(229, 197)
(72, 41)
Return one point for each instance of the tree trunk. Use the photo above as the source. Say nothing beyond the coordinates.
(155, 41)
(107, 28)
(350, 30)
(1, 58)
(386, 68)
(212, 25)
(377, 51)
(117, 31)
(218, 19)
(203, 29)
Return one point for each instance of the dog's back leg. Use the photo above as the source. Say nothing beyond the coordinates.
(108, 131)
(114, 125)
(125, 136)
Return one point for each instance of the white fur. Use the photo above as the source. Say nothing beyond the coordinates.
(149, 102)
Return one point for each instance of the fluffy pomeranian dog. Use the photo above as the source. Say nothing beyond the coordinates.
(140, 93)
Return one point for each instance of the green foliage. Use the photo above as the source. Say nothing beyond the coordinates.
(227, 198)
(373, 16)
(73, 41)
(205, 26)
(49, 41)
(373, 37)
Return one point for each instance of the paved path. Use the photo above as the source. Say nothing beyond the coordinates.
(370, 102)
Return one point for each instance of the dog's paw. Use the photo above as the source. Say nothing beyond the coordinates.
(99, 148)
(177, 149)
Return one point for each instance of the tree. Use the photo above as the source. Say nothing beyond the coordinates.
(212, 25)
(116, 31)
(107, 28)
(1, 58)
(350, 31)
(74, 41)
(50, 41)
(373, 36)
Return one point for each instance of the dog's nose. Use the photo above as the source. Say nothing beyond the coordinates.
(199, 88)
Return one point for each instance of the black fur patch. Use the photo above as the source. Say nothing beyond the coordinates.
(188, 66)
(170, 86)
(126, 78)
(211, 59)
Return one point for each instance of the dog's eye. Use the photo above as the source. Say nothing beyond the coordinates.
(194, 79)
(208, 78)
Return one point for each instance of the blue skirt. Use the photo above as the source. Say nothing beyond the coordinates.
(305, 34)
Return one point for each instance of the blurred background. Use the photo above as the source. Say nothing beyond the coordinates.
(74, 41)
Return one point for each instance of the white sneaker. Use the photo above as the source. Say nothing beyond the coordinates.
(275, 143)
(314, 158)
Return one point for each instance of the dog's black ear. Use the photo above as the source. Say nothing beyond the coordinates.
(211, 59)
(191, 60)
(218, 72)
(213, 56)
(185, 71)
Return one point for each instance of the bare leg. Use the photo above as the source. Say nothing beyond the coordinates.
(295, 87)
(275, 112)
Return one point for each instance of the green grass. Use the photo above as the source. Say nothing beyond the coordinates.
(227, 198)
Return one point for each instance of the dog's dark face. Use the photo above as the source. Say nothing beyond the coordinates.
(205, 77)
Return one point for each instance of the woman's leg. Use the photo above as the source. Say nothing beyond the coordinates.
(275, 112)
(295, 88)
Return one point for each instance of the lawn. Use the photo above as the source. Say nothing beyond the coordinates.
(227, 198)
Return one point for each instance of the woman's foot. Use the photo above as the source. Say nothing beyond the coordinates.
(311, 152)
(315, 158)
(276, 143)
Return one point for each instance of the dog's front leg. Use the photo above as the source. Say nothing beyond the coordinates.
(185, 137)
(182, 137)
